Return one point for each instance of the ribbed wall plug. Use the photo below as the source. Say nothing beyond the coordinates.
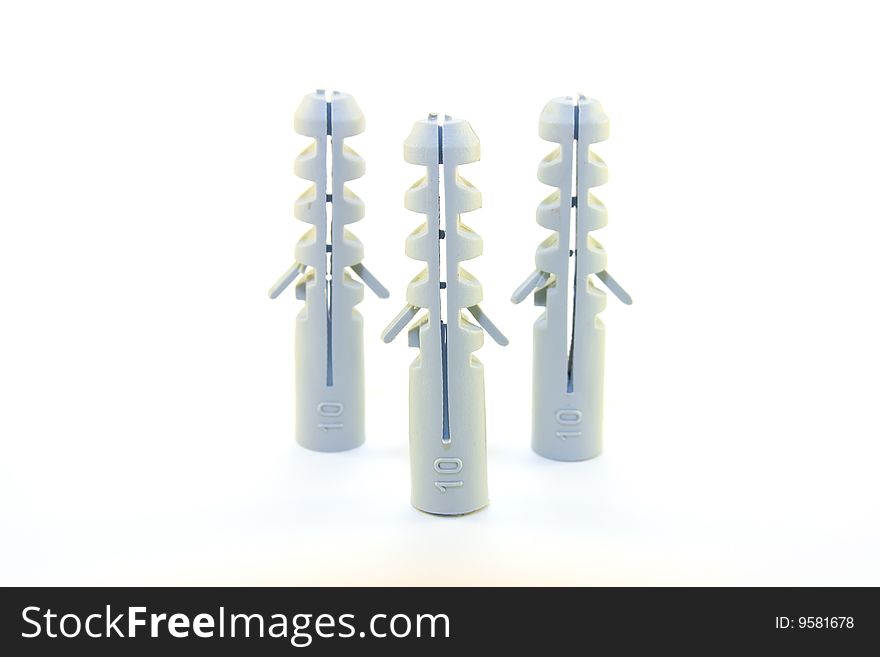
(447, 406)
(329, 330)
(569, 337)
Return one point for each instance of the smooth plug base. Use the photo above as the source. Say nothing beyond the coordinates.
(550, 449)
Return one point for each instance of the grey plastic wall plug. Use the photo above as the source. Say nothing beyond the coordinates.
(447, 405)
(569, 336)
(329, 329)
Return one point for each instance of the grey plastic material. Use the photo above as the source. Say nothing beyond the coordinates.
(447, 406)
(569, 337)
(329, 330)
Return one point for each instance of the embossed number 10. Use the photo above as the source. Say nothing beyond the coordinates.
(330, 410)
(447, 466)
(568, 417)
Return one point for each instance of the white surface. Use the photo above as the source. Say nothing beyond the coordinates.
(147, 191)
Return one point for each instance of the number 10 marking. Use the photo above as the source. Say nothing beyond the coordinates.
(330, 409)
(568, 417)
(447, 466)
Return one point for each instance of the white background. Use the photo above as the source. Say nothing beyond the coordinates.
(146, 381)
